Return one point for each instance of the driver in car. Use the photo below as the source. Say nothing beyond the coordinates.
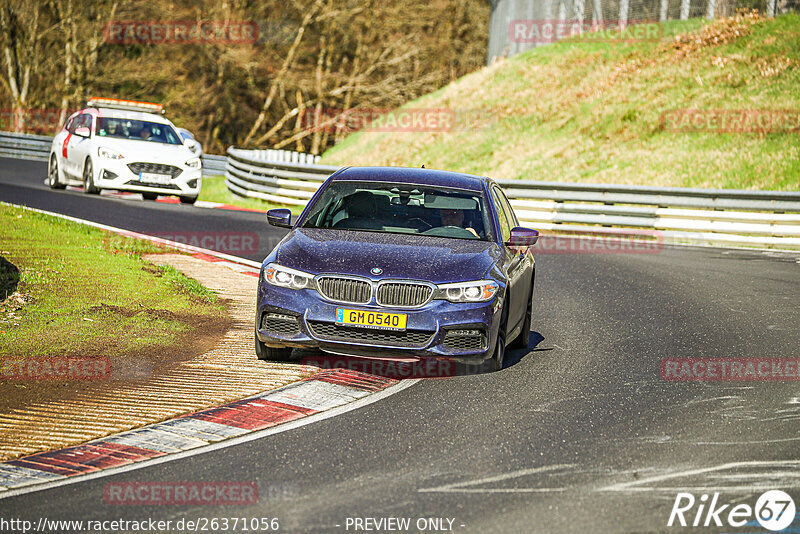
(452, 217)
(110, 129)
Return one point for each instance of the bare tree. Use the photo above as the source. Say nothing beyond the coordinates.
(285, 67)
(22, 30)
(82, 26)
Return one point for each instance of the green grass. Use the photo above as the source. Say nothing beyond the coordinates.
(89, 293)
(214, 190)
(579, 111)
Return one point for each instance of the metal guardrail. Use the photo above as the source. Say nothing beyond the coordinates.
(213, 165)
(250, 174)
(37, 148)
(25, 146)
(672, 214)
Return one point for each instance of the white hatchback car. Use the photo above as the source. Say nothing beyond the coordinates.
(128, 146)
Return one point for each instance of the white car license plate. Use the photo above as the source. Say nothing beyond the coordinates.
(152, 178)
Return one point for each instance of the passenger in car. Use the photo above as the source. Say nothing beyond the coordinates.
(360, 208)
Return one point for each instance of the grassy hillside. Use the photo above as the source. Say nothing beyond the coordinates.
(592, 111)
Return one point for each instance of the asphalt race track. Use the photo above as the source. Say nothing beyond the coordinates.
(581, 434)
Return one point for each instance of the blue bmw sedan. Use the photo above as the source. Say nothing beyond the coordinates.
(388, 262)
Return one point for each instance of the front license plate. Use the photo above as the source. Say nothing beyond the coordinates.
(152, 178)
(369, 319)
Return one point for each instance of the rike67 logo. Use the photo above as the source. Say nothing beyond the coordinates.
(774, 510)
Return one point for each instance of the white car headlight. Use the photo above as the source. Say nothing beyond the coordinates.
(107, 153)
(278, 275)
(477, 291)
(194, 163)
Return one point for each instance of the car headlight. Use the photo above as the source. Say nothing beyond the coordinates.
(278, 275)
(107, 153)
(477, 291)
(194, 163)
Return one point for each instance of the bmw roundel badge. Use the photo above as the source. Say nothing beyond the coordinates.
(377, 270)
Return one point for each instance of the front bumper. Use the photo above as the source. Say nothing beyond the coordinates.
(115, 174)
(302, 318)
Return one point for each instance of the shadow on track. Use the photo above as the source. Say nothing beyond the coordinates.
(408, 368)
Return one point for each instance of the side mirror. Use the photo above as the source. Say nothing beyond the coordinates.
(281, 217)
(192, 145)
(83, 131)
(522, 237)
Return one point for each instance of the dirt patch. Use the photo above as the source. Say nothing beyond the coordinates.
(152, 269)
(213, 364)
(167, 315)
(132, 368)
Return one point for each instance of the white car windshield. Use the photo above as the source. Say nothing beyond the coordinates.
(137, 130)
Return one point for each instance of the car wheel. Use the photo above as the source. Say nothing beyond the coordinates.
(149, 196)
(496, 361)
(524, 336)
(188, 200)
(52, 174)
(88, 178)
(271, 354)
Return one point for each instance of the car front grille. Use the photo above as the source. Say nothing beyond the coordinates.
(403, 294)
(393, 338)
(285, 325)
(157, 186)
(462, 340)
(345, 289)
(155, 168)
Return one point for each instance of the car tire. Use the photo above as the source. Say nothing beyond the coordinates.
(271, 354)
(524, 336)
(188, 200)
(495, 363)
(88, 178)
(53, 179)
(149, 196)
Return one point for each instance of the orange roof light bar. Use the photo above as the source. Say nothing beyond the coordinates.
(125, 104)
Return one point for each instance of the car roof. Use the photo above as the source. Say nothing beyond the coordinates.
(413, 175)
(133, 115)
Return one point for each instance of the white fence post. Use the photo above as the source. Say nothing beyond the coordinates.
(771, 5)
(685, 9)
(579, 8)
(710, 8)
(597, 12)
(623, 13)
(662, 16)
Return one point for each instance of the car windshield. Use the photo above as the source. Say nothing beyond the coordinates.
(400, 208)
(137, 130)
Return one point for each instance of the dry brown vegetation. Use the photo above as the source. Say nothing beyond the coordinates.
(310, 56)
